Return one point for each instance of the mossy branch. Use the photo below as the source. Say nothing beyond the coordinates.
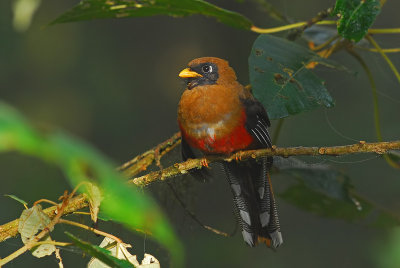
(141, 162)
(10, 229)
(185, 167)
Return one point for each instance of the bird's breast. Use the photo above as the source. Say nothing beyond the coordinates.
(222, 137)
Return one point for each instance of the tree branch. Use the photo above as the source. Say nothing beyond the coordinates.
(10, 229)
(184, 167)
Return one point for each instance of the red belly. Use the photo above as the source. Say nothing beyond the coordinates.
(238, 139)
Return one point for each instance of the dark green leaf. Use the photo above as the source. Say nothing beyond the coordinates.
(356, 16)
(327, 192)
(318, 177)
(100, 9)
(311, 200)
(102, 254)
(80, 162)
(280, 79)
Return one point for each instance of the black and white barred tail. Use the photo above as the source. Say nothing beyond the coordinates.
(254, 201)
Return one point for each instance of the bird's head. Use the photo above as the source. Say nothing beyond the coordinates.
(207, 71)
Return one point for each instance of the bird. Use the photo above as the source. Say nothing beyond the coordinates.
(219, 116)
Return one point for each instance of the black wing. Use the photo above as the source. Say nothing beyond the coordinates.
(257, 122)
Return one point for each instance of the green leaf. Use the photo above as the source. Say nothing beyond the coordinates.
(280, 79)
(356, 16)
(102, 254)
(101, 9)
(123, 203)
(318, 177)
(327, 192)
(322, 205)
(16, 198)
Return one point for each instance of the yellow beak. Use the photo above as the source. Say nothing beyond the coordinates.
(187, 73)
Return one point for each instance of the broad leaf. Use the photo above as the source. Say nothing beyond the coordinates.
(356, 16)
(99, 253)
(318, 177)
(327, 192)
(101, 9)
(280, 79)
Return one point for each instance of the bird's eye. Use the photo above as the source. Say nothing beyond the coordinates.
(207, 69)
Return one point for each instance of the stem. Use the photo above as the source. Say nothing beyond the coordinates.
(326, 43)
(384, 31)
(90, 229)
(375, 100)
(374, 92)
(288, 27)
(192, 215)
(385, 50)
(389, 62)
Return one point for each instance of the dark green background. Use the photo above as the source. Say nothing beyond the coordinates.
(114, 84)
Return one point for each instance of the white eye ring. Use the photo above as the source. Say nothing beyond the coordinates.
(207, 68)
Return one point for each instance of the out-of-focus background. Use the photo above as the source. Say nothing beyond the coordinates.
(114, 84)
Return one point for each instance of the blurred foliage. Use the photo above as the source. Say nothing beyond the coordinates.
(81, 163)
(23, 13)
(388, 254)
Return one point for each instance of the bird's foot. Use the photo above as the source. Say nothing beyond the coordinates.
(238, 156)
(204, 162)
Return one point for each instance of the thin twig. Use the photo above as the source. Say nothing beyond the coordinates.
(384, 50)
(326, 43)
(299, 31)
(389, 62)
(375, 100)
(184, 167)
(277, 131)
(384, 31)
(288, 27)
(141, 162)
(193, 216)
(90, 229)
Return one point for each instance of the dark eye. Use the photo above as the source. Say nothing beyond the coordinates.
(207, 69)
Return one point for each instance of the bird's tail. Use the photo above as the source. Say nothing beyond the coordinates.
(254, 201)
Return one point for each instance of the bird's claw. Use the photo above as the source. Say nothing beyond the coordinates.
(238, 157)
(204, 162)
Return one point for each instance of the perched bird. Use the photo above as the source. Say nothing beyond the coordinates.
(217, 115)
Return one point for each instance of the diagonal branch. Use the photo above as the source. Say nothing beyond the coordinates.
(185, 167)
(10, 229)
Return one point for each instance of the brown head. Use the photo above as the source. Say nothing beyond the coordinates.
(208, 71)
